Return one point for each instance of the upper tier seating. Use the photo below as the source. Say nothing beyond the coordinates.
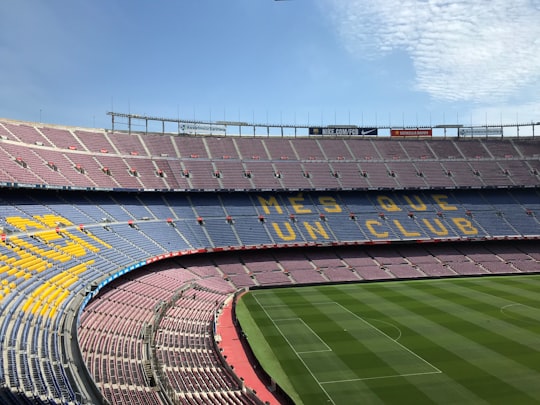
(59, 157)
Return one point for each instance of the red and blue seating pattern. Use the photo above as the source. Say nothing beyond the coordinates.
(80, 246)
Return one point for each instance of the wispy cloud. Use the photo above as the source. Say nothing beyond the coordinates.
(462, 50)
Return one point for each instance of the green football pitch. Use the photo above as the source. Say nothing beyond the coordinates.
(451, 341)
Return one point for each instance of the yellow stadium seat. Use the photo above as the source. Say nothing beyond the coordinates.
(52, 297)
(53, 310)
(69, 282)
(20, 273)
(40, 289)
(44, 310)
(27, 304)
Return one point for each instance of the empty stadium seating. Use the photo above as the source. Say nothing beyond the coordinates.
(71, 248)
(63, 157)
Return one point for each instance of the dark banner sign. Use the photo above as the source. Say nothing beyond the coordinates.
(342, 131)
(411, 132)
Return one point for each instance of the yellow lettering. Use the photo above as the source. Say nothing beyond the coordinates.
(299, 208)
(23, 223)
(370, 223)
(53, 220)
(314, 230)
(28, 261)
(420, 207)
(465, 226)
(75, 248)
(440, 199)
(330, 204)
(33, 258)
(290, 236)
(404, 231)
(272, 201)
(442, 231)
(85, 244)
(387, 203)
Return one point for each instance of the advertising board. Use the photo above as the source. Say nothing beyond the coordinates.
(425, 132)
(343, 131)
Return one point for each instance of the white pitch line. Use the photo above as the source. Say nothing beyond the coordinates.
(315, 351)
(512, 316)
(328, 349)
(299, 304)
(381, 377)
(297, 355)
(395, 341)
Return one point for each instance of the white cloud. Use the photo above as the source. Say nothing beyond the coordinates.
(462, 50)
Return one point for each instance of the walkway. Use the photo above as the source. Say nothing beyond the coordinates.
(232, 348)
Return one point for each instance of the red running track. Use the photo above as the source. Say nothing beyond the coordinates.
(236, 356)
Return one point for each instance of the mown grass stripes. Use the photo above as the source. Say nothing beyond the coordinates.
(423, 341)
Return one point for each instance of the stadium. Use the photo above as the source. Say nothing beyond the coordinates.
(123, 250)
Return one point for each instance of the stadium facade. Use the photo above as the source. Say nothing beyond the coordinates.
(118, 248)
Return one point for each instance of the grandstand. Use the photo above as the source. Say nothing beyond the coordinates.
(118, 248)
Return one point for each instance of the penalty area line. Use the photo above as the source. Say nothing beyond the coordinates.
(380, 377)
(330, 399)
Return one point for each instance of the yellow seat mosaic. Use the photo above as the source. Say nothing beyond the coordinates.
(46, 299)
(53, 245)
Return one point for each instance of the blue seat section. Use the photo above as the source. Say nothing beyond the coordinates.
(251, 231)
(290, 217)
(529, 199)
(165, 235)
(207, 205)
(358, 203)
(139, 244)
(221, 233)
(525, 225)
(85, 205)
(7, 210)
(237, 205)
(494, 224)
(179, 204)
(190, 230)
(346, 229)
(132, 206)
(57, 203)
(156, 204)
(111, 208)
(503, 199)
(498, 210)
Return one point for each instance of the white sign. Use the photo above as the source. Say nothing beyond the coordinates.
(481, 131)
(201, 128)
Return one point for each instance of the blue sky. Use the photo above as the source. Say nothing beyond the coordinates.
(363, 62)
